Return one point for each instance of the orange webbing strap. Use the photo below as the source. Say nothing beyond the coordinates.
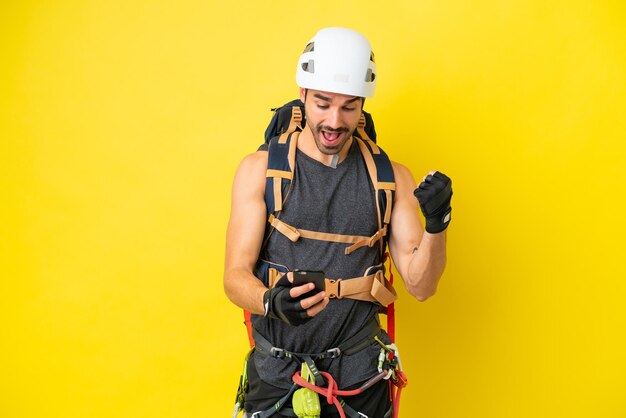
(371, 288)
(294, 123)
(278, 194)
(364, 136)
(291, 157)
(373, 172)
(287, 230)
(357, 241)
(279, 175)
(273, 277)
(370, 242)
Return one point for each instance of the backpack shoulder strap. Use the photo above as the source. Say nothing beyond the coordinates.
(281, 161)
(381, 174)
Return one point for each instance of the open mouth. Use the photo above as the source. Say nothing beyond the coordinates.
(331, 138)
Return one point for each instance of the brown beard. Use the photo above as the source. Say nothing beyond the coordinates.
(317, 132)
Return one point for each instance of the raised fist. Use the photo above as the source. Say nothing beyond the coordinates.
(434, 195)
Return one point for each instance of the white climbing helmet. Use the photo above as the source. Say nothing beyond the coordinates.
(338, 60)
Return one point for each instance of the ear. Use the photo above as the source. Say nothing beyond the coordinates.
(302, 94)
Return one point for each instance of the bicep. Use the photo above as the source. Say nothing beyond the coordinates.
(248, 214)
(406, 226)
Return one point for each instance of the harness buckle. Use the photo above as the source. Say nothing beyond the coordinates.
(334, 352)
(333, 289)
(276, 353)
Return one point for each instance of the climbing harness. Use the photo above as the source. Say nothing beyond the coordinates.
(322, 383)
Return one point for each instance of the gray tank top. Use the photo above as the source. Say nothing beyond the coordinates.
(334, 200)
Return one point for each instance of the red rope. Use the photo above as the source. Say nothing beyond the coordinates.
(396, 403)
(332, 391)
(248, 321)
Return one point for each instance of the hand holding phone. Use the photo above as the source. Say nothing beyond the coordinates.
(301, 277)
(291, 305)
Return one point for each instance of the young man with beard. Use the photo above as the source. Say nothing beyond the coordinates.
(331, 193)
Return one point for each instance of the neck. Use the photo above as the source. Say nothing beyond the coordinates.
(306, 144)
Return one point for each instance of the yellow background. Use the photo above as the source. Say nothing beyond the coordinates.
(122, 124)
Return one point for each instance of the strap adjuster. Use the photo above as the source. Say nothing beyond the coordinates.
(377, 236)
(334, 352)
(276, 353)
(333, 289)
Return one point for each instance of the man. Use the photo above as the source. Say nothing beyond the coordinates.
(331, 193)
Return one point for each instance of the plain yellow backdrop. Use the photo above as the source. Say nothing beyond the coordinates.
(122, 123)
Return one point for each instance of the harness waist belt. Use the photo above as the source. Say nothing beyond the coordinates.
(352, 345)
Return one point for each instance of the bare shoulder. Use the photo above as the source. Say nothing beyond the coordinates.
(255, 163)
(250, 176)
(403, 176)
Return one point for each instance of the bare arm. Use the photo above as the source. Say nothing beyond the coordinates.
(244, 238)
(245, 234)
(419, 256)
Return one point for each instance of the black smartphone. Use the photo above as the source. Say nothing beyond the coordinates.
(301, 277)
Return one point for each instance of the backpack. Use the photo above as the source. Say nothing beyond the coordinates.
(289, 119)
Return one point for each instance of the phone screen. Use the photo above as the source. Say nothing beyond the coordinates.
(301, 277)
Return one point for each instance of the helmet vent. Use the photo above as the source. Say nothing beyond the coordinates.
(370, 76)
(310, 47)
(309, 66)
(372, 57)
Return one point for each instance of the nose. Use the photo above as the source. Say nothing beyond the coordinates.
(334, 118)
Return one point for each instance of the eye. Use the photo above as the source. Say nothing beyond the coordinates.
(349, 109)
(323, 107)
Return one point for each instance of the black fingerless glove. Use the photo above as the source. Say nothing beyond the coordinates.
(280, 305)
(434, 195)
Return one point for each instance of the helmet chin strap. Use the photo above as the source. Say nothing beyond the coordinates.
(334, 161)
